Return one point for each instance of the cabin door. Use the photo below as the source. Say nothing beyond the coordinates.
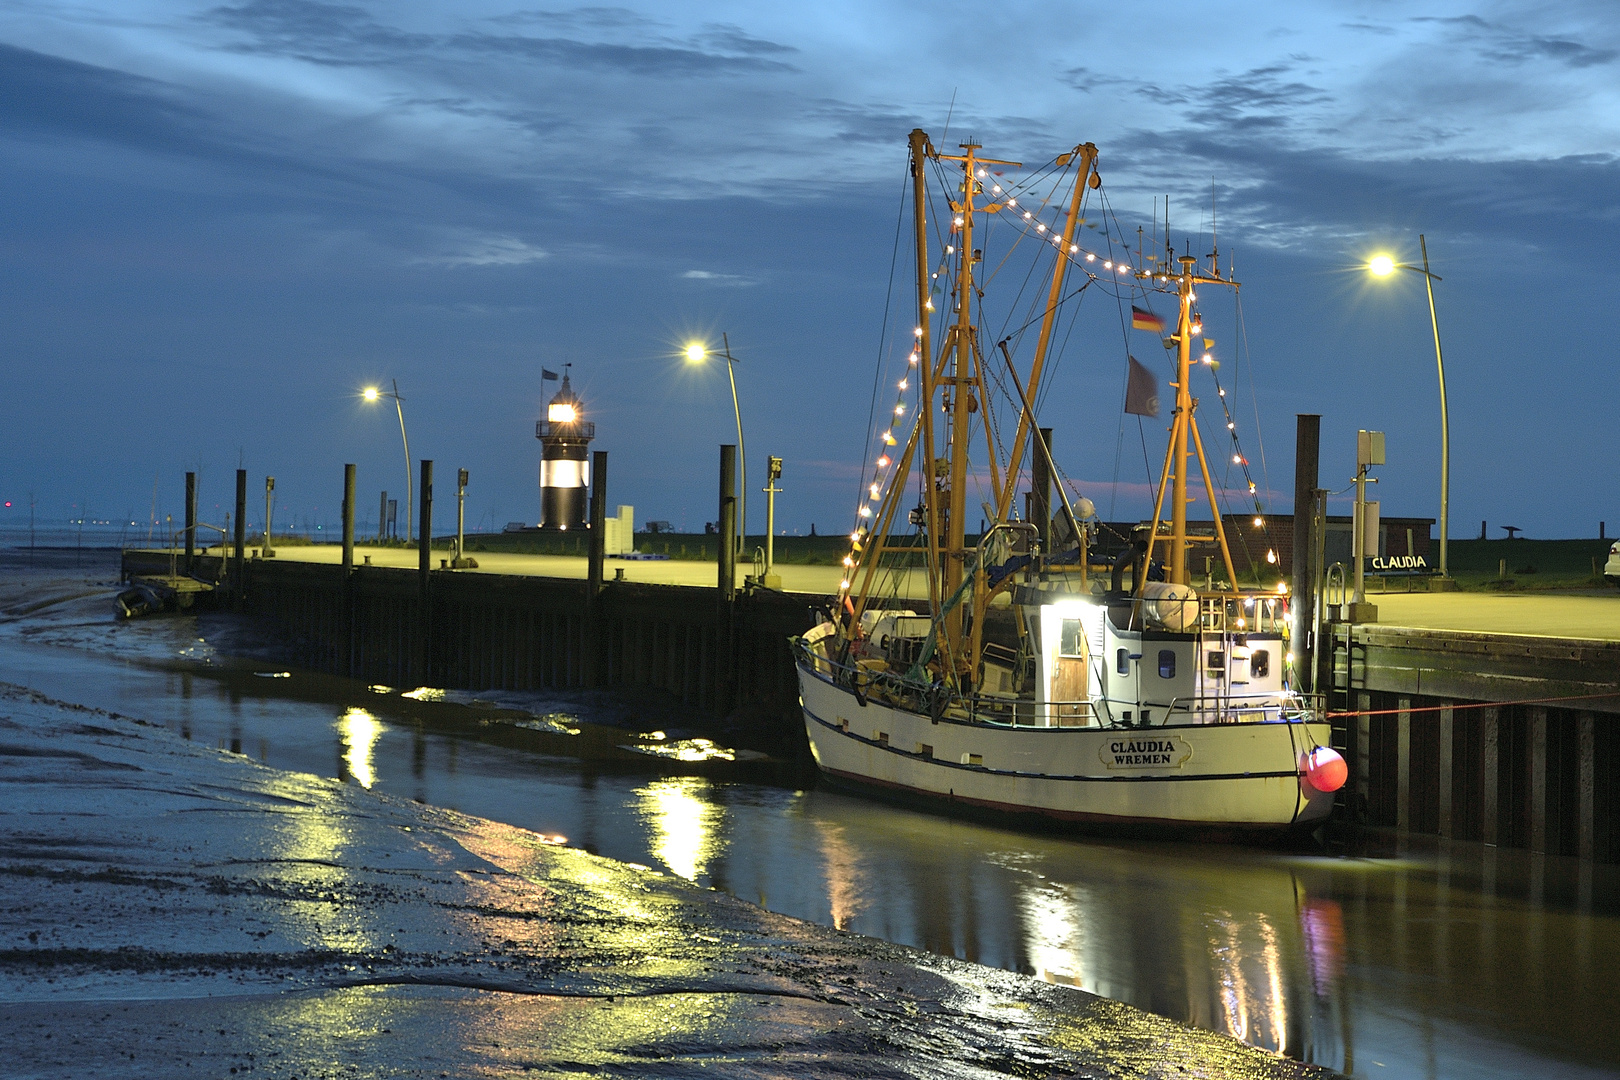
(1070, 698)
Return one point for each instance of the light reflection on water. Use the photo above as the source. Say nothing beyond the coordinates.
(1456, 961)
(358, 732)
(685, 827)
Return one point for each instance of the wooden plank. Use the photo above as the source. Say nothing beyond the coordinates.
(1490, 727)
(1403, 766)
(1585, 783)
(1446, 736)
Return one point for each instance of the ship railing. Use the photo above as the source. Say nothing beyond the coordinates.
(941, 702)
(1268, 707)
(1240, 613)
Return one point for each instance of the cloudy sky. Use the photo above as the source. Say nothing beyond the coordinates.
(222, 220)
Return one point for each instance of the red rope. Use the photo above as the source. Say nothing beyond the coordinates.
(1481, 705)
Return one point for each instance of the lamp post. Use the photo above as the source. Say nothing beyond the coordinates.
(372, 394)
(1383, 266)
(696, 353)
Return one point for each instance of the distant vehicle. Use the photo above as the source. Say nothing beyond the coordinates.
(1611, 569)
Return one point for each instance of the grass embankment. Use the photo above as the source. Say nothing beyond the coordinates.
(1530, 565)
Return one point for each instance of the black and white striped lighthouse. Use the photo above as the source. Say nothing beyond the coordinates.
(565, 467)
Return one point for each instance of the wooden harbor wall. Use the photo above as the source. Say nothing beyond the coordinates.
(1448, 740)
(1500, 739)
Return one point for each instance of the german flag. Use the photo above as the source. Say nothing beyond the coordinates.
(1145, 320)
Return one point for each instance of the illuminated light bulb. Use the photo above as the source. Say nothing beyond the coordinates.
(1382, 265)
(936, 275)
(1221, 391)
(950, 249)
(1192, 296)
(1091, 256)
(883, 461)
(1231, 426)
(959, 219)
(855, 536)
(1074, 249)
(902, 384)
(1259, 521)
(1040, 228)
(1248, 603)
(1237, 459)
(899, 410)
(1206, 358)
(1282, 590)
(1123, 268)
(1012, 201)
(916, 331)
(844, 584)
(889, 439)
(866, 511)
(1251, 489)
(995, 189)
(982, 174)
(1241, 622)
(849, 560)
(929, 306)
(1108, 264)
(913, 358)
(1198, 328)
(1271, 556)
(874, 490)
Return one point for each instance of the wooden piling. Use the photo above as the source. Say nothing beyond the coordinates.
(1307, 451)
(424, 567)
(348, 518)
(1585, 785)
(1538, 778)
(191, 522)
(241, 532)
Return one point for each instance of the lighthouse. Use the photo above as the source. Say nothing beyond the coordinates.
(565, 468)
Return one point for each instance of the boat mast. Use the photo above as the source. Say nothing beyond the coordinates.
(1184, 438)
(921, 150)
(1087, 153)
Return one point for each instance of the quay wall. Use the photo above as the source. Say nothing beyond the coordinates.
(1500, 739)
(1444, 737)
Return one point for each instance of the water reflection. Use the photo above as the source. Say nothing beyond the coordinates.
(684, 824)
(358, 732)
(844, 874)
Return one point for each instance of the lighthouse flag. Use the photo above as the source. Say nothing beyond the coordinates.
(547, 375)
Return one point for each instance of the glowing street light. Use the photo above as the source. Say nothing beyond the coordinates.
(696, 353)
(372, 394)
(1384, 266)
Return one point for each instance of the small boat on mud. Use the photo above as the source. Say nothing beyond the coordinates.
(1025, 685)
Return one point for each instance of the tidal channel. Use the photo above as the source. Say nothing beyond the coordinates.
(1421, 959)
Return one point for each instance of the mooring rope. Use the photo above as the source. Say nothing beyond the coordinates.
(1479, 705)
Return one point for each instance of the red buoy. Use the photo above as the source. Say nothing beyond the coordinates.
(1324, 769)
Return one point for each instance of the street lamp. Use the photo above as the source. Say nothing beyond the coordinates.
(372, 394)
(1383, 266)
(696, 353)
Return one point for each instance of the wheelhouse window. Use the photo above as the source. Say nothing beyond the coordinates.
(1071, 641)
(1217, 661)
(1167, 663)
(1260, 663)
(1122, 662)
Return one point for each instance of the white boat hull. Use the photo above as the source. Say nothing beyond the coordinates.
(1241, 775)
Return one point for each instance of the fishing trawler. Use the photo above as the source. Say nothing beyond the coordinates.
(1023, 683)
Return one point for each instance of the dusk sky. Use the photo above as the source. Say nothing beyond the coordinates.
(222, 221)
